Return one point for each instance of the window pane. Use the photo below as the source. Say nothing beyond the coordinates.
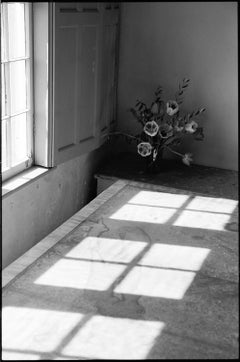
(4, 145)
(16, 30)
(19, 138)
(18, 86)
(3, 50)
(3, 89)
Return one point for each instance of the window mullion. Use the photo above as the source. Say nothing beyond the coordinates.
(8, 90)
(29, 74)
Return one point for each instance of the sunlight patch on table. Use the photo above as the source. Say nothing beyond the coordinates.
(160, 283)
(114, 338)
(212, 204)
(153, 198)
(36, 329)
(142, 213)
(19, 356)
(175, 256)
(202, 220)
(106, 249)
(81, 274)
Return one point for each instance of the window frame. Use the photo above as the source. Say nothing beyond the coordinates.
(13, 169)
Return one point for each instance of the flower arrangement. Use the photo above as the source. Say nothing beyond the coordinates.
(163, 125)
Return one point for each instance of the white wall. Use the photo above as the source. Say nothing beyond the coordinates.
(33, 211)
(163, 42)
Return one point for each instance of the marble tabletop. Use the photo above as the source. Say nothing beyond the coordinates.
(172, 173)
(143, 272)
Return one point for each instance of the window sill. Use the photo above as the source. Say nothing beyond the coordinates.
(22, 179)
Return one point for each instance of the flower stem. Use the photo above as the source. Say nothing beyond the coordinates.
(123, 134)
(177, 153)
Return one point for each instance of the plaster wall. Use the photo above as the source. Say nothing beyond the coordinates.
(33, 211)
(163, 42)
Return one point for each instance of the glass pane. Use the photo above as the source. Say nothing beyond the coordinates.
(18, 86)
(4, 145)
(3, 50)
(3, 90)
(16, 29)
(19, 138)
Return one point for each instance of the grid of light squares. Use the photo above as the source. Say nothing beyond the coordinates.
(179, 210)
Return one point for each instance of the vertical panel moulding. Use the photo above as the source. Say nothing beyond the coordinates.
(97, 80)
(65, 81)
(100, 75)
(50, 77)
(109, 44)
(78, 84)
(76, 89)
(112, 57)
(88, 77)
(116, 62)
(104, 67)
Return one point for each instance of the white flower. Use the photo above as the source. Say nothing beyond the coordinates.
(144, 149)
(151, 128)
(172, 108)
(187, 159)
(191, 127)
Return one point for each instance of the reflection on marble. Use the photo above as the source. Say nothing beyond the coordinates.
(132, 288)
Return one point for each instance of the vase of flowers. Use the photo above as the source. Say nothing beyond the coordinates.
(164, 125)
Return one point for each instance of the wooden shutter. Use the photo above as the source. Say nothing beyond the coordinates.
(84, 76)
(76, 79)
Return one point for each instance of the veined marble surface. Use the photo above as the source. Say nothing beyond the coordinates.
(150, 273)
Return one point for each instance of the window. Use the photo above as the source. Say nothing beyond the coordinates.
(62, 60)
(16, 88)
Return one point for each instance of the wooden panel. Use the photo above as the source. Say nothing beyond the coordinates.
(109, 69)
(65, 83)
(87, 82)
(88, 7)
